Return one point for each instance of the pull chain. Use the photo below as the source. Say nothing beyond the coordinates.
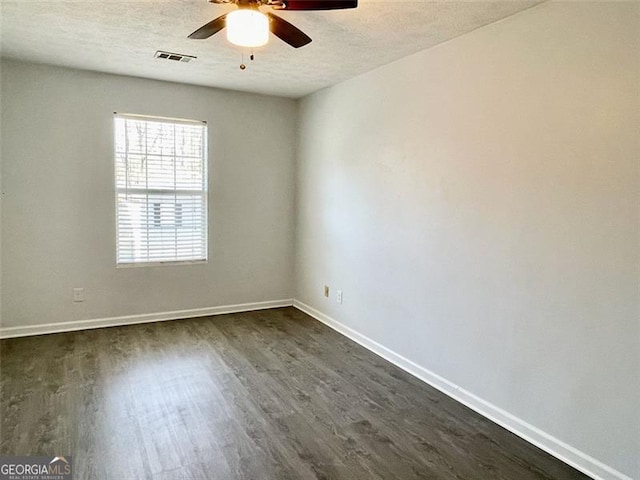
(252, 57)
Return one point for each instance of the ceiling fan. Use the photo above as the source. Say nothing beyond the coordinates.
(248, 27)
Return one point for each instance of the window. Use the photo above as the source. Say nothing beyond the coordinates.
(161, 190)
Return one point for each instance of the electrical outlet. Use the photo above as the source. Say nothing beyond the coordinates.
(326, 291)
(339, 296)
(78, 294)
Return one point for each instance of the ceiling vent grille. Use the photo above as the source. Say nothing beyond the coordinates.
(176, 57)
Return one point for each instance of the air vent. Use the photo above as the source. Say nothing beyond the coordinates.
(176, 57)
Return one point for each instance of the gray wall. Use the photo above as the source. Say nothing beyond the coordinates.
(58, 218)
(478, 205)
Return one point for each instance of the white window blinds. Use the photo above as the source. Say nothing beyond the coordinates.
(161, 190)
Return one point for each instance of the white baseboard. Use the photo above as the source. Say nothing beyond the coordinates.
(568, 454)
(29, 330)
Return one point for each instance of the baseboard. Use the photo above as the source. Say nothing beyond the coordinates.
(25, 331)
(568, 454)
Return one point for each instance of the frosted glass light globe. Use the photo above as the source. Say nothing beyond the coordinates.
(247, 28)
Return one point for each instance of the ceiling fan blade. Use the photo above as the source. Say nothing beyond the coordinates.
(318, 4)
(211, 28)
(288, 33)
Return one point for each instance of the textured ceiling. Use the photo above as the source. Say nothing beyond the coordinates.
(122, 36)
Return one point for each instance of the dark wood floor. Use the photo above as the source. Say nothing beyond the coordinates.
(262, 395)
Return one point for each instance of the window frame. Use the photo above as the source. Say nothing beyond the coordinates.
(204, 193)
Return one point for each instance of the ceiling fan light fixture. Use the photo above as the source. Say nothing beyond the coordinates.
(247, 28)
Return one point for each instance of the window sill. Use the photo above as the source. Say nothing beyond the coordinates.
(161, 264)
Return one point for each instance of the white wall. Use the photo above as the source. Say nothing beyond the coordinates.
(478, 205)
(58, 218)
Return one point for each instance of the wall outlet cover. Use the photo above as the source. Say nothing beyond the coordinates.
(78, 294)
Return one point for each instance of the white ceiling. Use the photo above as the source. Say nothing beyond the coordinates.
(122, 36)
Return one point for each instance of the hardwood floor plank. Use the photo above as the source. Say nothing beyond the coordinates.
(262, 395)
